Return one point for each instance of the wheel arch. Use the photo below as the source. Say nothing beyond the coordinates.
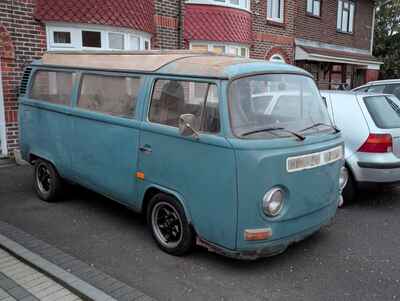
(152, 190)
(32, 157)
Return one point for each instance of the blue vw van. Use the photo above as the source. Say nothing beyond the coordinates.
(234, 154)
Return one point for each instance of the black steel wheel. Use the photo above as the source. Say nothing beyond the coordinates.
(169, 226)
(47, 182)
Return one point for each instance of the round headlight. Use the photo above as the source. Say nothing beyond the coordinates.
(343, 178)
(273, 202)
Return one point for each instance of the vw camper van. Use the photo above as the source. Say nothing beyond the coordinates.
(234, 154)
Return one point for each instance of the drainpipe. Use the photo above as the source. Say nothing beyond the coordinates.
(373, 30)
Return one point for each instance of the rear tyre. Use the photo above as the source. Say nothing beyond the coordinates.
(47, 182)
(350, 191)
(169, 226)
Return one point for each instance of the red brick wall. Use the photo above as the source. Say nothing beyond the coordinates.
(324, 29)
(270, 37)
(21, 40)
(168, 35)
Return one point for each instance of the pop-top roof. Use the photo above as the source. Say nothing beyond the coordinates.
(165, 62)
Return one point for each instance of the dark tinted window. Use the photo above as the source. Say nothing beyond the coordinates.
(113, 95)
(385, 111)
(91, 39)
(173, 98)
(53, 86)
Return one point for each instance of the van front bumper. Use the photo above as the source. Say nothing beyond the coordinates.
(260, 249)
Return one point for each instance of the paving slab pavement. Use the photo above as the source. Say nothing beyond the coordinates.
(32, 270)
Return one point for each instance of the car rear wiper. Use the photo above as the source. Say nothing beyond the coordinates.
(319, 124)
(297, 135)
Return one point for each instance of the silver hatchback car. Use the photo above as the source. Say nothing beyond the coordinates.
(370, 125)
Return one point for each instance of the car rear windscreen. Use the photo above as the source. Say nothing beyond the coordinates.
(384, 110)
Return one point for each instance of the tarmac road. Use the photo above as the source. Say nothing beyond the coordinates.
(356, 258)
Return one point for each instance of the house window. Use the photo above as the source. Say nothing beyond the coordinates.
(345, 16)
(116, 41)
(275, 10)
(238, 50)
(314, 7)
(63, 36)
(91, 39)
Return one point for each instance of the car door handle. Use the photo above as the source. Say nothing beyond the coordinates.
(145, 149)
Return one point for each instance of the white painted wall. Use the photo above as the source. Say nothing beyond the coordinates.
(3, 140)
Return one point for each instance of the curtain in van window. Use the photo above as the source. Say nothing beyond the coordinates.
(53, 86)
(113, 95)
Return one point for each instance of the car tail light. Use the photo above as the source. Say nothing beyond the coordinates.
(377, 143)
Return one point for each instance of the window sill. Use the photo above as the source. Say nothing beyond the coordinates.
(276, 23)
(344, 32)
(220, 4)
(313, 16)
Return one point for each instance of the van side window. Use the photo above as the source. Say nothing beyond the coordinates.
(172, 98)
(113, 95)
(53, 86)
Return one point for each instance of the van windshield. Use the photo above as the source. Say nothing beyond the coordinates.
(274, 105)
(384, 110)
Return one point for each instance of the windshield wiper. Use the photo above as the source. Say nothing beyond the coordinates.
(319, 124)
(297, 135)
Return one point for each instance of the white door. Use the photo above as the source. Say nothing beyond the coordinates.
(3, 141)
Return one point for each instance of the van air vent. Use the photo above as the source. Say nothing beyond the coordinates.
(24, 81)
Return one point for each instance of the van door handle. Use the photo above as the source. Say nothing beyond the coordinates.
(146, 149)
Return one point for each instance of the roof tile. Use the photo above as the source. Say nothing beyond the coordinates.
(217, 23)
(135, 14)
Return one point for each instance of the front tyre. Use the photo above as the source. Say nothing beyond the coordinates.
(169, 226)
(47, 182)
(350, 191)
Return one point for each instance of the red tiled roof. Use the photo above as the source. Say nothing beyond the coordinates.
(217, 23)
(135, 14)
(339, 54)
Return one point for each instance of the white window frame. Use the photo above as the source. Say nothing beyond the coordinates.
(311, 8)
(124, 37)
(242, 4)
(348, 26)
(76, 36)
(272, 10)
(229, 47)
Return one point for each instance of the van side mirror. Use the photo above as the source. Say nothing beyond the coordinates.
(186, 125)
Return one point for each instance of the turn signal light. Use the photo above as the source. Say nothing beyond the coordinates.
(377, 143)
(257, 234)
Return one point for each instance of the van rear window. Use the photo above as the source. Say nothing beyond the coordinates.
(53, 86)
(384, 110)
(112, 95)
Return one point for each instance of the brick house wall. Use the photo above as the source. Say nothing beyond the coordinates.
(22, 39)
(269, 37)
(169, 15)
(323, 29)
